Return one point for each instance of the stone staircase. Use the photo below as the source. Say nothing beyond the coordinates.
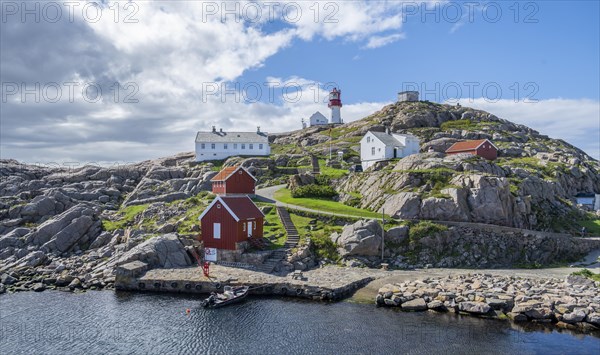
(315, 165)
(291, 241)
(292, 233)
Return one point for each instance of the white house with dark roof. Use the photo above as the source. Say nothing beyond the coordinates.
(219, 145)
(380, 146)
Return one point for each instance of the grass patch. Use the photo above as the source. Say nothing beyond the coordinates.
(319, 232)
(332, 173)
(587, 273)
(592, 226)
(127, 216)
(424, 229)
(284, 195)
(273, 229)
(458, 124)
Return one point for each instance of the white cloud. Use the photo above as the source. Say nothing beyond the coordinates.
(576, 121)
(380, 41)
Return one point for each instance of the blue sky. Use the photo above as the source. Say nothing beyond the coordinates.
(176, 58)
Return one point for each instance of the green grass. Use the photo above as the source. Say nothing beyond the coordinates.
(284, 195)
(592, 226)
(458, 124)
(274, 231)
(331, 172)
(319, 232)
(127, 216)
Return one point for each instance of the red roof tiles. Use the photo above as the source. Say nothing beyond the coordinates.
(224, 173)
(465, 146)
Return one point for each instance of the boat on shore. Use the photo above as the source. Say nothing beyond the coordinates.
(229, 296)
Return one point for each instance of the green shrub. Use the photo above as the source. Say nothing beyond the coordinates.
(458, 124)
(313, 190)
(587, 273)
(424, 229)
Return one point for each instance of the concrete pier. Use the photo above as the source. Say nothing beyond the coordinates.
(328, 283)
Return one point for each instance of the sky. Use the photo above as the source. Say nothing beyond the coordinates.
(115, 82)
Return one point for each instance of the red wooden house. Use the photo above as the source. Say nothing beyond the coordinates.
(482, 147)
(230, 220)
(233, 180)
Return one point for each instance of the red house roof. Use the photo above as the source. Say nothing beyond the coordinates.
(466, 146)
(240, 207)
(225, 173)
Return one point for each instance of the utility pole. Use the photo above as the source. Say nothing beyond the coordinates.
(382, 231)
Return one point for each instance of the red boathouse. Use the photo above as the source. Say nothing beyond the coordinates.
(230, 220)
(482, 147)
(233, 180)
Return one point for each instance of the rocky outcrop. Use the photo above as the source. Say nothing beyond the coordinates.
(162, 251)
(360, 238)
(572, 304)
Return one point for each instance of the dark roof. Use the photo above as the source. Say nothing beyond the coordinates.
(240, 207)
(466, 146)
(585, 194)
(225, 173)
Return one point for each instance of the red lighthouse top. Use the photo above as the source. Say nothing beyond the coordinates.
(335, 98)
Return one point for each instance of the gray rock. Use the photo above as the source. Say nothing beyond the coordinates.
(2, 289)
(436, 305)
(517, 317)
(402, 205)
(417, 304)
(161, 251)
(593, 318)
(6, 279)
(574, 317)
(397, 235)
(70, 235)
(34, 259)
(38, 287)
(474, 307)
(360, 238)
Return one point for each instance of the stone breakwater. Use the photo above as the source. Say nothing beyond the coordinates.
(572, 303)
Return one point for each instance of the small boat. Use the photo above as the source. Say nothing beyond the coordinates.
(229, 296)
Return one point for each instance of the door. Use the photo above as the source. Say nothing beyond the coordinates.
(249, 229)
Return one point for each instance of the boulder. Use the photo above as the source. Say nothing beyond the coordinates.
(474, 307)
(34, 259)
(436, 305)
(574, 317)
(6, 279)
(38, 287)
(397, 235)
(360, 238)
(593, 318)
(417, 304)
(405, 205)
(161, 251)
(67, 237)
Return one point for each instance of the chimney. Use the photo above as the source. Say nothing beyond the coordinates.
(214, 129)
(387, 130)
(221, 130)
(257, 129)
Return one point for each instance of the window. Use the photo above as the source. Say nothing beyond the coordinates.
(373, 151)
(212, 146)
(368, 139)
(379, 149)
(202, 146)
(250, 146)
(243, 146)
(225, 146)
(260, 146)
(234, 145)
(217, 230)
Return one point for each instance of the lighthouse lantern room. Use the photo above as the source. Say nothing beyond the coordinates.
(335, 104)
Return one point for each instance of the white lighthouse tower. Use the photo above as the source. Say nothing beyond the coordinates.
(335, 104)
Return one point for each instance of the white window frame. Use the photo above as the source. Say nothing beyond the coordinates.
(260, 146)
(202, 146)
(217, 230)
(250, 146)
(372, 150)
(225, 146)
(213, 146)
(243, 145)
(234, 145)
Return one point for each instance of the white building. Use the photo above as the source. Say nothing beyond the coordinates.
(219, 145)
(589, 200)
(318, 119)
(408, 96)
(379, 146)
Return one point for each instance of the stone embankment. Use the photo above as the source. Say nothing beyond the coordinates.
(572, 303)
(326, 283)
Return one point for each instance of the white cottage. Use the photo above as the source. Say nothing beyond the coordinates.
(219, 145)
(379, 146)
(318, 119)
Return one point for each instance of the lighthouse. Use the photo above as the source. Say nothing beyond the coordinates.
(335, 104)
